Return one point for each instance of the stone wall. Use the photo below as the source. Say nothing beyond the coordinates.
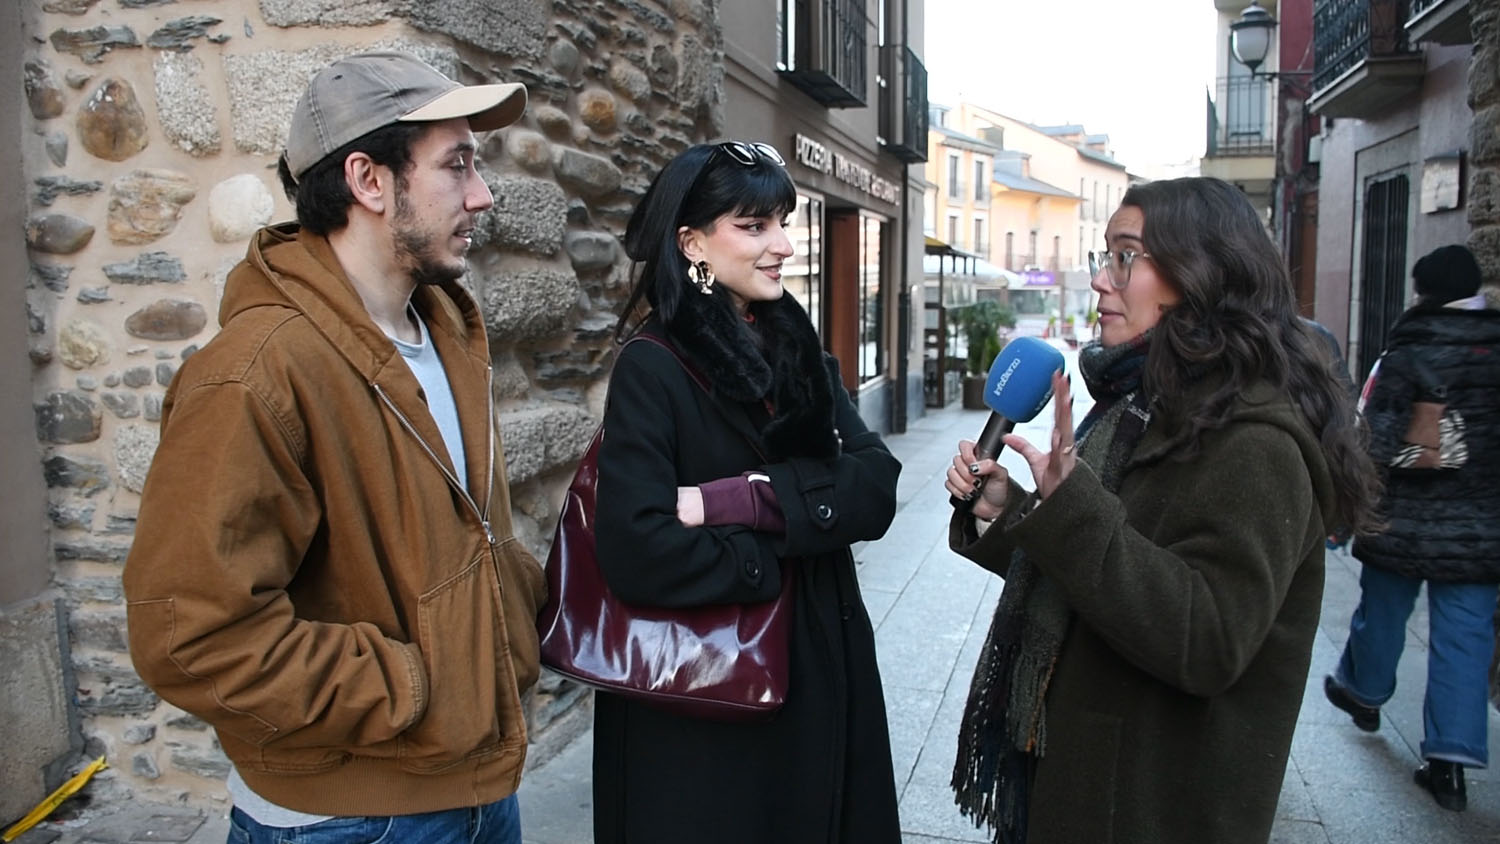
(149, 154)
(1484, 146)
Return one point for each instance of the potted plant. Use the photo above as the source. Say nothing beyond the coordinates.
(981, 323)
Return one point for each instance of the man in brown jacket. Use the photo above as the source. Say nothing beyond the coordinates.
(324, 568)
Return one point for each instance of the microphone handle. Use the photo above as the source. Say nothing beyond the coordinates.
(989, 444)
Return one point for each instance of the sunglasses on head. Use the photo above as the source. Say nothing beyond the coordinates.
(746, 152)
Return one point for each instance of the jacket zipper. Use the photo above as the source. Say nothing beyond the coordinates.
(484, 521)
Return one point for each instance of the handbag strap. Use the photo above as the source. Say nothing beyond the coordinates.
(691, 370)
(698, 378)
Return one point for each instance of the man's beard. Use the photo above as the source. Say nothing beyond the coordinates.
(414, 248)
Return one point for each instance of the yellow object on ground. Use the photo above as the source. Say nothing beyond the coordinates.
(55, 799)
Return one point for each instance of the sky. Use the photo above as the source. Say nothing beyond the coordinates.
(1134, 71)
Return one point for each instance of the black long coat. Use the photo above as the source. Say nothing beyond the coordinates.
(1441, 524)
(820, 770)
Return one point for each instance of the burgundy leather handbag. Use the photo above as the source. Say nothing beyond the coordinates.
(726, 662)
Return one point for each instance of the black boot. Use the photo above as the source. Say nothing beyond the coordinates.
(1366, 718)
(1446, 782)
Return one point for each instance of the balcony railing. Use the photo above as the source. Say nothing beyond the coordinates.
(1347, 32)
(830, 55)
(1242, 117)
(1440, 22)
(903, 106)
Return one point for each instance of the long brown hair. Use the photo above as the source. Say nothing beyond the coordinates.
(1238, 324)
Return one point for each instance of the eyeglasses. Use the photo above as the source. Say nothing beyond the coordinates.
(1117, 263)
(745, 152)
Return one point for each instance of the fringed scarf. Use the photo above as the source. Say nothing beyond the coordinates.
(1004, 728)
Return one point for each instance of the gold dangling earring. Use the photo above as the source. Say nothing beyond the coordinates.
(702, 277)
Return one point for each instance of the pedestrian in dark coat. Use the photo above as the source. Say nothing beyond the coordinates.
(1145, 666)
(718, 496)
(1442, 527)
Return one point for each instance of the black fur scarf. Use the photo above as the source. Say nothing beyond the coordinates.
(775, 358)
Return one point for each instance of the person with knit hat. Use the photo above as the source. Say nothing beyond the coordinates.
(1440, 527)
(324, 567)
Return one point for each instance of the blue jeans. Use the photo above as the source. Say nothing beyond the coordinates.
(1460, 642)
(493, 823)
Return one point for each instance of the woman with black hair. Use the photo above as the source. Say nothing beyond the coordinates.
(1443, 527)
(715, 496)
(1143, 673)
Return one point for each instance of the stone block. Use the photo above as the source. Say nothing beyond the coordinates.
(529, 214)
(102, 630)
(82, 344)
(50, 276)
(111, 122)
(209, 763)
(1484, 242)
(264, 86)
(87, 548)
(1484, 197)
(71, 514)
(139, 733)
(84, 474)
(630, 81)
(189, 117)
(1485, 136)
(136, 376)
(590, 251)
(93, 43)
(167, 319)
(147, 268)
(122, 405)
(143, 765)
(56, 144)
(238, 206)
(146, 204)
(68, 417)
(563, 56)
(36, 727)
(58, 234)
(512, 28)
(48, 188)
(178, 34)
(589, 176)
(527, 304)
(324, 13)
(528, 149)
(540, 439)
(553, 121)
(135, 445)
(596, 108)
(44, 91)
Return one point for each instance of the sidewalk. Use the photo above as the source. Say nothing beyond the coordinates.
(931, 610)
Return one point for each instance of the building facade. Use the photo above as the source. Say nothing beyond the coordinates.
(1031, 200)
(1391, 83)
(142, 159)
(838, 86)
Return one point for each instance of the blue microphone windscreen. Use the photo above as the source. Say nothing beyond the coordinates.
(1020, 381)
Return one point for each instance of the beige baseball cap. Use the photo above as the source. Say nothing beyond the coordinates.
(361, 93)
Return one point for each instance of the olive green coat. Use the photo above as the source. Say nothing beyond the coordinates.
(1196, 592)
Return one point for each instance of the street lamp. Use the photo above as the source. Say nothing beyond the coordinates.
(1250, 41)
(1250, 36)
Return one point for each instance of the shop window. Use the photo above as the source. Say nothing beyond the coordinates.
(872, 349)
(802, 274)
